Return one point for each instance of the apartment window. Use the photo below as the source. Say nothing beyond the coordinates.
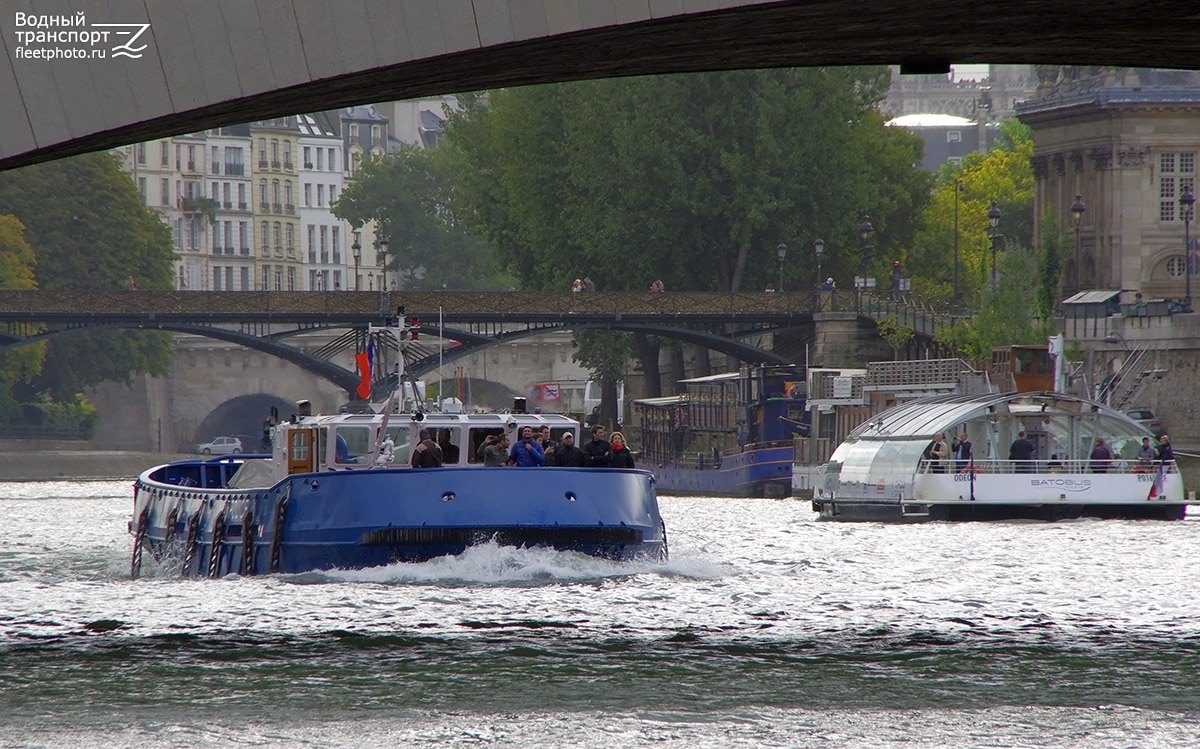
(141, 153)
(215, 191)
(324, 244)
(291, 276)
(287, 154)
(320, 161)
(178, 157)
(241, 192)
(228, 195)
(243, 237)
(279, 277)
(264, 232)
(216, 284)
(308, 158)
(165, 191)
(164, 153)
(1176, 175)
(229, 278)
(262, 193)
(1175, 266)
(312, 243)
(142, 190)
(335, 244)
(376, 133)
(307, 195)
(353, 131)
(215, 160)
(333, 160)
(262, 153)
(229, 237)
(274, 191)
(191, 162)
(275, 153)
(278, 235)
(287, 193)
(233, 161)
(332, 194)
(320, 196)
(245, 279)
(291, 238)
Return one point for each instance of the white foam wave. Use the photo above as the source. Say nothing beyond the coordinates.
(492, 564)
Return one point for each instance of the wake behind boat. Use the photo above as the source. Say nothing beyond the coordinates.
(338, 491)
(883, 470)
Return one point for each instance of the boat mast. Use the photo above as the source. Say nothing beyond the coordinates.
(402, 333)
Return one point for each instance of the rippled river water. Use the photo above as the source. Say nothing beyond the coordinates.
(766, 628)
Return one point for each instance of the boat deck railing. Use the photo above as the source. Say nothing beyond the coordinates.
(1084, 465)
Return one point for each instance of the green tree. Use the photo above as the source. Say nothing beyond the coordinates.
(1003, 174)
(408, 193)
(604, 353)
(89, 230)
(1006, 315)
(693, 179)
(895, 334)
(18, 366)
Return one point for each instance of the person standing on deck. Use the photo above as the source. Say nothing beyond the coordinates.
(568, 455)
(427, 453)
(962, 452)
(1021, 451)
(527, 452)
(1101, 456)
(598, 452)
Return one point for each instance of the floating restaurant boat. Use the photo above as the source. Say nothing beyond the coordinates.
(881, 471)
(729, 435)
(337, 491)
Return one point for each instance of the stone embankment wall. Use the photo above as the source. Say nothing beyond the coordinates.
(22, 460)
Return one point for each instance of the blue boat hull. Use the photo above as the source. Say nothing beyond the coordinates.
(368, 518)
(755, 472)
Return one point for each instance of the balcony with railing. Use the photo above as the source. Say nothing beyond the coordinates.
(235, 170)
(243, 206)
(264, 207)
(275, 163)
(277, 207)
(289, 166)
(214, 167)
(289, 209)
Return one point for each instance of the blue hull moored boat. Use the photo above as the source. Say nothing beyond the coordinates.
(729, 435)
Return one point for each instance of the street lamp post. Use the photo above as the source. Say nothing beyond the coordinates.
(993, 215)
(819, 249)
(864, 233)
(958, 188)
(1077, 211)
(381, 255)
(356, 248)
(781, 252)
(1186, 200)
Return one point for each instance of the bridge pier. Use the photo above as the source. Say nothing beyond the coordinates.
(843, 339)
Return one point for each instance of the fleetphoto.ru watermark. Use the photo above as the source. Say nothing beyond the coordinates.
(55, 37)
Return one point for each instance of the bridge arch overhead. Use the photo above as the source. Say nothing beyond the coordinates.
(196, 65)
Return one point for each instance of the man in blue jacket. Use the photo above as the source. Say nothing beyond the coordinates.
(527, 451)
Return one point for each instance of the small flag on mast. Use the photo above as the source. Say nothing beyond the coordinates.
(365, 361)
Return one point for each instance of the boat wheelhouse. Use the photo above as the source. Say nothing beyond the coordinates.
(882, 470)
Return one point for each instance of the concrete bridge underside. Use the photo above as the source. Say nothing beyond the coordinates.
(213, 63)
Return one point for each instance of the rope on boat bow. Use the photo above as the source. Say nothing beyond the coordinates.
(139, 538)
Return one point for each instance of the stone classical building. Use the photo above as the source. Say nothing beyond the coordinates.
(1125, 141)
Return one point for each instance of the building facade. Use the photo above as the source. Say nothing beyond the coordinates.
(231, 262)
(1124, 141)
(323, 235)
(276, 182)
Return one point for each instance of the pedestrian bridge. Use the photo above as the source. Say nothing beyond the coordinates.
(115, 73)
(266, 320)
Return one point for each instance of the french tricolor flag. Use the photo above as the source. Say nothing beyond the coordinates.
(365, 361)
(1156, 488)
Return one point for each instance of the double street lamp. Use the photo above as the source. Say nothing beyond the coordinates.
(1186, 200)
(993, 215)
(1077, 211)
(381, 252)
(781, 252)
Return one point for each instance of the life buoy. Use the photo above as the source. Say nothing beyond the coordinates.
(971, 469)
(1143, 469)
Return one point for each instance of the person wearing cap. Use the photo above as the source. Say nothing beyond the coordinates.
(568, 455)
(829, 285)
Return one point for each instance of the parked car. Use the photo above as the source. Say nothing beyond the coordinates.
(1146, 418)
(220, 446)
